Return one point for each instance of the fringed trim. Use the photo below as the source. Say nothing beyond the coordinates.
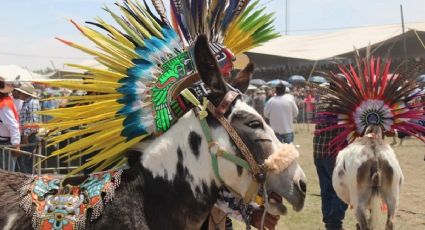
(25, 195)
(36, 220)
(26, 186)
(110, 193)
(80, 224)
(96, 211)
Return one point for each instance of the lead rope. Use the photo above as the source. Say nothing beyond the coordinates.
(266, 206)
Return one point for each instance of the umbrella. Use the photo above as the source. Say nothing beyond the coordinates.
(317, 79)
(257, 82)
(421, 78)
(296, 78)
(278, 81)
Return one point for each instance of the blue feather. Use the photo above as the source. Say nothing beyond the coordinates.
(142, 69)
(132, 126)
(128, 108)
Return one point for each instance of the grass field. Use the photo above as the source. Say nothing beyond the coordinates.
(410, 214)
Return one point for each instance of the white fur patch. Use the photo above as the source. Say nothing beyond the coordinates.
(350, 159)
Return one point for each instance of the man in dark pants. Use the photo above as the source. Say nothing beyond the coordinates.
(333, 208)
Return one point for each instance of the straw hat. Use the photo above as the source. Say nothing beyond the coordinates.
(28, 89)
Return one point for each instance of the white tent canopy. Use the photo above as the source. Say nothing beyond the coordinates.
(14, 72)
(330, 45)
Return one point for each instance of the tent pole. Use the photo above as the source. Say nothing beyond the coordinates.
(402, 29)
(286, 17)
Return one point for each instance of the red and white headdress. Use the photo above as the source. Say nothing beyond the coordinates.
(369, 94)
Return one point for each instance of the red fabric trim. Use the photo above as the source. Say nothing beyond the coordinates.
(8, 101)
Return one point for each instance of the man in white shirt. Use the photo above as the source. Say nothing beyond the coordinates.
(9, 126)
(280, 112)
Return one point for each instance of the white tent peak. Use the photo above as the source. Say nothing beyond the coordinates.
(329, 45)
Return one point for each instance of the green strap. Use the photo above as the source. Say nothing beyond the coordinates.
(205, 127)
(237, 160)
(214, 161)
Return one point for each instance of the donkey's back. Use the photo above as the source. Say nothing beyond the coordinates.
(366, 172)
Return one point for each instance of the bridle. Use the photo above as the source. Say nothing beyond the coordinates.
(247, 162)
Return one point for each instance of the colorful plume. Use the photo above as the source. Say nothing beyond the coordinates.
(369, 94)
(143, 56)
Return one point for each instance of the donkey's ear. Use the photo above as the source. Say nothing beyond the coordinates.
(208, 70)
(241, 81)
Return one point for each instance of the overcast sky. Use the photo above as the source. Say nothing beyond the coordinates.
(28, 27)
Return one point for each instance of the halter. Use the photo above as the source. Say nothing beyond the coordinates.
(216, 151)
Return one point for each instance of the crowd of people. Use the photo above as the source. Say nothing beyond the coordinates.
(305, 99)
(280, 107)
(286, 70)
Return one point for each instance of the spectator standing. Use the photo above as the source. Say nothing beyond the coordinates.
(333, 208)
(18, 102)
(28, 119)
(9, 126)
(309, 101)
(280, 112)
(259, 101)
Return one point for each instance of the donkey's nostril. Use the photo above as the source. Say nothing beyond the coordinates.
(303, 186)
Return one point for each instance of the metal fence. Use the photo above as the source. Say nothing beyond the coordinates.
(42, 159)
(304, 120)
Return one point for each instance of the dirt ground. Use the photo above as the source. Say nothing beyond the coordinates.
(410, 214)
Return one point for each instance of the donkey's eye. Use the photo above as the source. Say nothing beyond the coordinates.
(255, 124)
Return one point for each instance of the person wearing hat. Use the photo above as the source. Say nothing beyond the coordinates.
(9, 126)
(28, 119)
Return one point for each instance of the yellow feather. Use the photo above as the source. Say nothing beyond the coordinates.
(114, 76)
(136, 24)
(146, 21)
(122, 39)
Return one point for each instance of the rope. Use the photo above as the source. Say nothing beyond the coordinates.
(266, 206)
(238, 141)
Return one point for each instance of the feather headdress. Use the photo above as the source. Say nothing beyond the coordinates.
(369, 94)
(144, 56)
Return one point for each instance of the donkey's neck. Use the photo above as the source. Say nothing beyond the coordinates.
(181, 150)
(179, 183)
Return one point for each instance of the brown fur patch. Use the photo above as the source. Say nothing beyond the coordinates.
(341, 173)
(387, 173)
(363, 174)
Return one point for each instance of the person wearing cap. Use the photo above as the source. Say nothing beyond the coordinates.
(9, 126)
(28, 119)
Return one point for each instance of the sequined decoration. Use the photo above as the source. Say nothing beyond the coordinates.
(62, 206)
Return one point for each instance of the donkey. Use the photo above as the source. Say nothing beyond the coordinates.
(366, 172)
(173, 184)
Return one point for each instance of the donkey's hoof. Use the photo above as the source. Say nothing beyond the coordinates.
(389, 226)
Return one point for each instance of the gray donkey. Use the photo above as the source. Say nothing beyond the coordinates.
(366, 172)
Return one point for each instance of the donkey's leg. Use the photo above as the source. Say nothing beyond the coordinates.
(361, 216)
(391, 202)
